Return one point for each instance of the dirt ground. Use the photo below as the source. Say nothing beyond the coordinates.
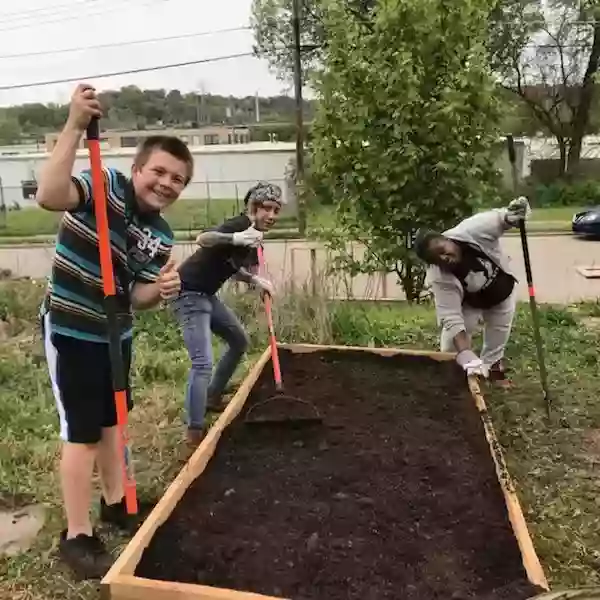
(395, 496)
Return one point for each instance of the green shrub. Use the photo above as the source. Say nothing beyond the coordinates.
(581, 193)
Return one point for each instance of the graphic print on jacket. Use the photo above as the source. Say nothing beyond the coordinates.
(484, 283)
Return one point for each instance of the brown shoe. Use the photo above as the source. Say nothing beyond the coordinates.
(498, 376)
(195, 436)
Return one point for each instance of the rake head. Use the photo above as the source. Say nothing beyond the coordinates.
(282, 409)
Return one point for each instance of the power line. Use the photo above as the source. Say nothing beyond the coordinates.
(79, 10)
(61, 19)
(26, 14)
(120, 44)
(128, 72)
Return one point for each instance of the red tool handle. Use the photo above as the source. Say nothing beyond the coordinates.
(108, 283)
(273, 341)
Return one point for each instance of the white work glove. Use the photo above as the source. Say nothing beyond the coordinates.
(472, 364)
(264, 285)
(250, 237)
(518, 210)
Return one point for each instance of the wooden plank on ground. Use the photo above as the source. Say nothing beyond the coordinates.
(127, 587)
(306, 348)
(531, 562)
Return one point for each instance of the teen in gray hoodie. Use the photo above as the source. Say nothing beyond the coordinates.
(472, 281)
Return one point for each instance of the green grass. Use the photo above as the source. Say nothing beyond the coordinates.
(559, 213)
(552, 219)
(554, 466)
(543, 220)
(187, 216)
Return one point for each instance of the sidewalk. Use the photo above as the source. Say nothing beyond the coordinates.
(555, 260)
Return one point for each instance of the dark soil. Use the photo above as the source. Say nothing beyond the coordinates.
(394, 497)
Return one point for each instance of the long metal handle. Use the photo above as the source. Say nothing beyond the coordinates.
(272, 339)
(535, 317)
(119, 380)
(532, 301)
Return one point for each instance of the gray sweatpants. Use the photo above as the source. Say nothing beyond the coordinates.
(497, 324)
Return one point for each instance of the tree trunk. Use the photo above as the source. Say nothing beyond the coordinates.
(582, 114)
(412, 278)
(562, 147)
(406, 278)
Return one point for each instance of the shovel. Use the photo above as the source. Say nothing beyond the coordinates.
(532, 302)
(281, 408)
(108, 285)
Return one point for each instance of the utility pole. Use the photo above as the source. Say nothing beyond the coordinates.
(200, 112)
(2, 206)
(299, 119)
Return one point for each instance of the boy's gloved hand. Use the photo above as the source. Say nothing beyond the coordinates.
(249, 237)
(472, 364)
(264, 285)
(518, 210)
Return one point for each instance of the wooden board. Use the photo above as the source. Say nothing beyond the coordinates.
(589, 272)
(582, 593)
(120, 583)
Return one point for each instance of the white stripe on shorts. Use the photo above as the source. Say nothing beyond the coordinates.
(52, 359)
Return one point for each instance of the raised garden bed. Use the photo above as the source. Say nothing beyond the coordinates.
(402, 493)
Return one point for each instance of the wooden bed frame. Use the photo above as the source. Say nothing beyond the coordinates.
(120, 583)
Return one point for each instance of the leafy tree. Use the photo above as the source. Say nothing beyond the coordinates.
(272, 24)
(10, 130)
(405, 128)
(134, 108)
(546, 53)
(549, 57)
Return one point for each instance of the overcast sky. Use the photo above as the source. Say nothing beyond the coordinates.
(39, 28)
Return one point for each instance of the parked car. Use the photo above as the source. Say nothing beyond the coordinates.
(587, 222)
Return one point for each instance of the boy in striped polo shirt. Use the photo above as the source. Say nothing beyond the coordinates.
(74, 320)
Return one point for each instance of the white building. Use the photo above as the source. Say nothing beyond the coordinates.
(220, 171)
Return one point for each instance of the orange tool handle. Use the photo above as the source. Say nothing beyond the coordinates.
(108, 284)
(273, 341)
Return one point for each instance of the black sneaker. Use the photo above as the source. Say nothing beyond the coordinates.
(86, 555)
(117, 515)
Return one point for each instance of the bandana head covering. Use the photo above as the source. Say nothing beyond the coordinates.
(264, 191)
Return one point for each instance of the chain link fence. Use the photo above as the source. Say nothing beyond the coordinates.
(202, 204)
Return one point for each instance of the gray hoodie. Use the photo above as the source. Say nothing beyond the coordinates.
(483, 231)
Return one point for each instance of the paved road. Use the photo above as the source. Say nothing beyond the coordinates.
(554, 260)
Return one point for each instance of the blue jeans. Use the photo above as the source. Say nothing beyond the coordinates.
(200, 315)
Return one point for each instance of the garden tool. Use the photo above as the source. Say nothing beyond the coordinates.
(532, 301)
(288, 410)
(108, 283)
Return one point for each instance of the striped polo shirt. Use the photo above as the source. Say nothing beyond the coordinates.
(141, 244)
